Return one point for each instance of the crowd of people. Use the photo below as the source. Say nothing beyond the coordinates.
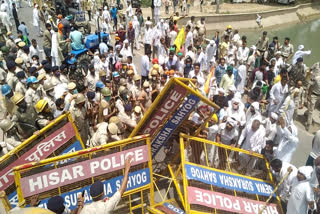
(259, 88)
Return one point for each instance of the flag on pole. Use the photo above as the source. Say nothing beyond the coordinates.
(207, 84)
(180, 40)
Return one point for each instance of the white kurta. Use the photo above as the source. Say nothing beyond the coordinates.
(299, 54)
(302, 193)
(242, 74)
(36, 20)
(287, 110)
(253, 141)
(278, 93)
(271, 129)
(212, 151)
(211, 53)
(288, 143)
(284, 190)
(239, 114)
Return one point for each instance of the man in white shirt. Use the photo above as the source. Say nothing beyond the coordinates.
(145, 66)
(106, 14)
(300, 53)
(189, 38)
(34, 50)
(92, 78)
(126, 50)
(302, 196)
(147, 39)
(279, 63)
(211, 50)
(103, 47)
(99, 204)
(172, 35)
(279, 169)
(36, 19)
(196, 72)
(243, 53)
(271, 126)
(252, 139)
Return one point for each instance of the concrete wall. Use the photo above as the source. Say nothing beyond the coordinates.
(269, 18)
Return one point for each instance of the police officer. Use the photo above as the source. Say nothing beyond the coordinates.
(107, 105)
(136, 87)
(45, 114)
(8, 105)
(25, 116)
(100, 137)
(21, 84)
(12, 138)
(113, 132)
(99, 87)
(313, 97)
(100, 206)
(49, 95)
(31, 96)
(79, 116)
(120, 128)
(11, 78)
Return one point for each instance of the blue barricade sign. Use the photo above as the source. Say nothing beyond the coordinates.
(228, 181)
(173, 208)
(190, 102)
(135, 180)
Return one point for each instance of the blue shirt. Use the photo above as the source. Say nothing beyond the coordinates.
(23, 29)
(113, 12)
(235, 75)
(103, 47)
(218, 73)
(76, 38)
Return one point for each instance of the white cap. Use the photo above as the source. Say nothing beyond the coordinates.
(253, 47)
(306, 171)
(231, 121)
(232, 88)
(255, 105)
(125, 41)
(137, 109)
(161, 20)
(105, 7)
(221, 90)
(212, 42)
(274, 116)
(118, 47)
(300, 47)
(278, 52)
(201, 81)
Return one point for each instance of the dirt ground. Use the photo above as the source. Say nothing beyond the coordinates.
(225, 8)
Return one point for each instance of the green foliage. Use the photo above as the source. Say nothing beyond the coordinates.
(145, 3)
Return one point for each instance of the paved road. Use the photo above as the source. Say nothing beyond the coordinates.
(305, 138)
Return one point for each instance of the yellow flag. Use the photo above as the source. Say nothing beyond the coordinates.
(180, 40)
(207, 84)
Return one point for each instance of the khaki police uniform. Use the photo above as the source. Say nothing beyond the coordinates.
(102, 207)
(21, 88)
(314, 97)
(82, 124)
(31, 97)
(100, 137)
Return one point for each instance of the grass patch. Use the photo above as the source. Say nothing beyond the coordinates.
(145, 3)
